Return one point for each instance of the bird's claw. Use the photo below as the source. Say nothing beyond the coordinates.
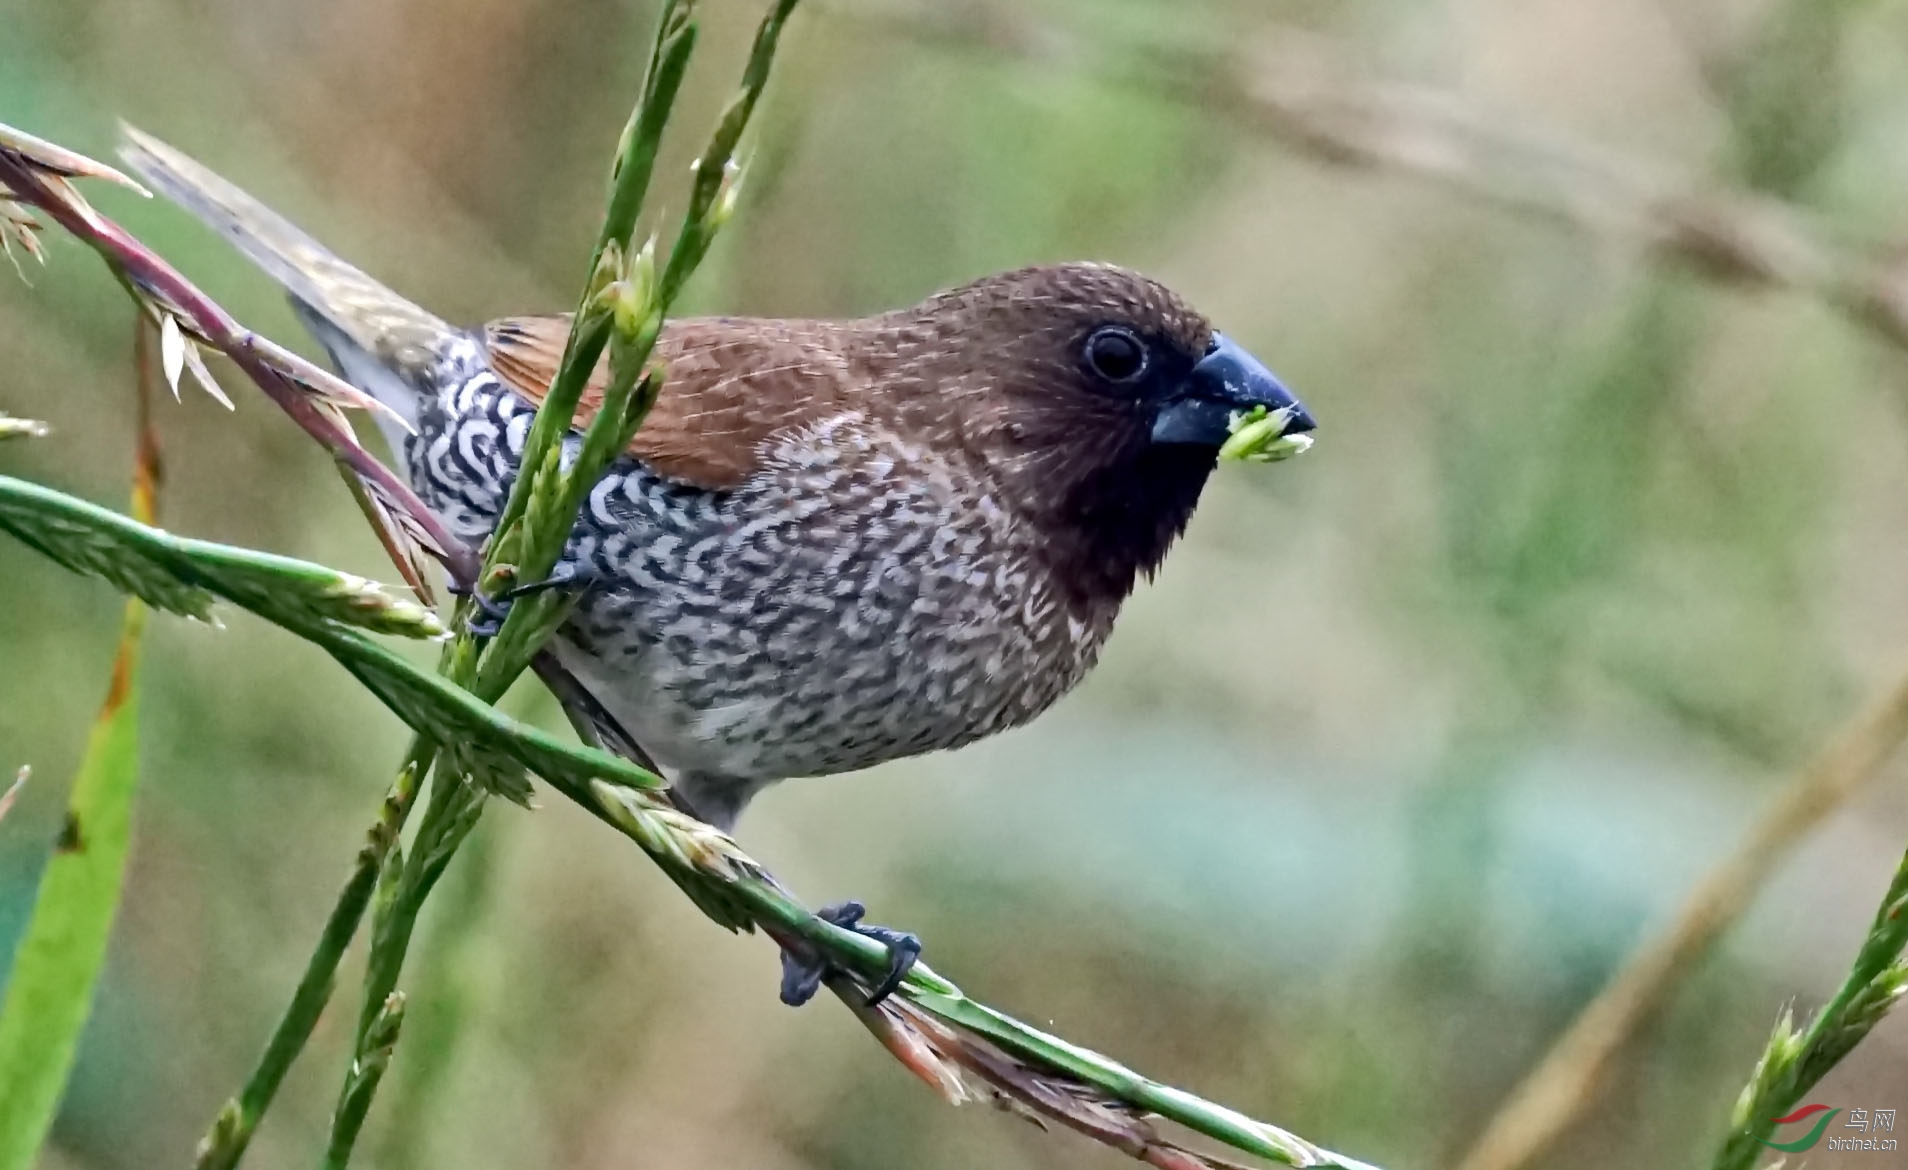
(802, 976)
(492, 611)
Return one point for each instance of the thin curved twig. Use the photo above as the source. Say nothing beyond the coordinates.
(1297, 88)
(1553, 1096)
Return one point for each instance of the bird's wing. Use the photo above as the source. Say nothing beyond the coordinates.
(731, 384)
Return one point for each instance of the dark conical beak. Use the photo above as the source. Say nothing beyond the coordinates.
(1225, 385)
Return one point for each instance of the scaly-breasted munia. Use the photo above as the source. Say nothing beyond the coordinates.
(831, 543)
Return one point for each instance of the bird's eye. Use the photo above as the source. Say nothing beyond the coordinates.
(1115, 354)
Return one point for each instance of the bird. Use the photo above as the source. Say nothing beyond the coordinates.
(832, 542)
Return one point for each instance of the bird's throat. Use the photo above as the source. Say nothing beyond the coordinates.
(1119, 522)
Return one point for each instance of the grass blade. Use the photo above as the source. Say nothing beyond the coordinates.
(50, 990)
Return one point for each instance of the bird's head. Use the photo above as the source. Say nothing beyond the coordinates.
(1096, 400)
(1092, 400)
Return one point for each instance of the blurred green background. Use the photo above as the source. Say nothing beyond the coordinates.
(1412, 741)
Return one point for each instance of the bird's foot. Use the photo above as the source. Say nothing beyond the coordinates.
(491, 611)
(802, 976)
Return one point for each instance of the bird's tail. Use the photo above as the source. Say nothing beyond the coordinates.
(371, 331)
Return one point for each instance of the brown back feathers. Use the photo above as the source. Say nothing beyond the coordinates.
(731, 384)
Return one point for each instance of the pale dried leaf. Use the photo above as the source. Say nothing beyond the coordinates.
(30, 240)
(195, 364)
(6, 246)
(318, 381)
(413, 530)
(399, 545)
(907, 1043)
(1044, 1095)
(17, 226)
(172, 347)
(62, 192)
(405, 542)
(13, 791)
(181, 343)
(22, 428)
(53, 159)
